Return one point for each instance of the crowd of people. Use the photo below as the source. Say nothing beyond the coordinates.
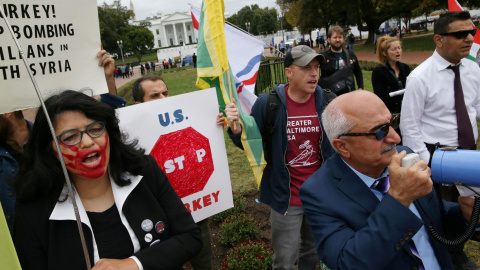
(333, 179)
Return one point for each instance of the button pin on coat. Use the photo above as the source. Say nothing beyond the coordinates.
(147, 225)
(160, 227)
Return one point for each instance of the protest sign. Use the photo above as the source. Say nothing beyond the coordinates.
(60, 40)
(180, 132)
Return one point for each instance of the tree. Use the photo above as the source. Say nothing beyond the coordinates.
(366, 14)
(138, 40)
(262, 21)
(113, 20)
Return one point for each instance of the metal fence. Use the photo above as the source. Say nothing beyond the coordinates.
(270, 74)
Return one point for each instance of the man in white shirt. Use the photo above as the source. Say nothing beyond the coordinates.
(432, 108)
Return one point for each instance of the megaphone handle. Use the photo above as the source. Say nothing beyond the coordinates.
(468, 233)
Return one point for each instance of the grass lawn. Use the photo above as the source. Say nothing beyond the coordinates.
(183, 81)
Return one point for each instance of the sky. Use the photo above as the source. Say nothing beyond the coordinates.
(146, 8)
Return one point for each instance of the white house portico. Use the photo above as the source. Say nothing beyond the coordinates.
(171, 30)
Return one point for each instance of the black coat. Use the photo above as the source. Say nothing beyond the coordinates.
(329, 66)
(45, 239)
(384, 82)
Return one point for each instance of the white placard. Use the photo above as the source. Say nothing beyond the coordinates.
(60, 40)
(179, 130)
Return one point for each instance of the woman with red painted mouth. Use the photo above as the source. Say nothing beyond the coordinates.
(131, 216)
(391, 74)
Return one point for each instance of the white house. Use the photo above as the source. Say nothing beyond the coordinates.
(171, 29)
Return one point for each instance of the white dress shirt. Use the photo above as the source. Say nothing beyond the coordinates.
(428, 108)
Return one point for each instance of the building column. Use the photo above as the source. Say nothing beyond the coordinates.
(166, 44)
(186, 35)
(175, 34)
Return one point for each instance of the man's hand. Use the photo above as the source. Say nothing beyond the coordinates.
(232, 113)
(108, 65)
(409, 184)
(220, 121)
(106, 62)
(113, 264)
(466, 204)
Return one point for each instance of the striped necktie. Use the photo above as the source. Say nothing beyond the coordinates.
(383, 185)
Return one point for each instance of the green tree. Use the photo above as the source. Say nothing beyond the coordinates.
(138, 40)
(113, 20)
(366, 14)
(262, 21)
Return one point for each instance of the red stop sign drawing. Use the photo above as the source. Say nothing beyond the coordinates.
(186, 158)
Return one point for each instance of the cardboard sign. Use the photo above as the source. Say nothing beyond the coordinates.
(59, 39)
(180, 132)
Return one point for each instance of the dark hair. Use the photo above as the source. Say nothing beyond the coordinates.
(138, 92)
(442, 25)
(41, 172)
(18, 114)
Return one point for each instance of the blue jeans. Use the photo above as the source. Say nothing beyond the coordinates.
(350, 47)
(292, 240)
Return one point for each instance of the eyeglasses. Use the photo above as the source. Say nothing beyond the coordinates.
(382, 131)
(461, 34)
(72, 137)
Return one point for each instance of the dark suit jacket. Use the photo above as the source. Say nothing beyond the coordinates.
(354, 230)
(43, 242)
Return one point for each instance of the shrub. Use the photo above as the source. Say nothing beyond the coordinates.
(239, 205)
(237, 228)
(249, 255)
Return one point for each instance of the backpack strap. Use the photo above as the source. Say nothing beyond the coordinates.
(328, 95)
(273, 104)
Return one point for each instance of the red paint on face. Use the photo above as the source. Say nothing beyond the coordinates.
(88, 170)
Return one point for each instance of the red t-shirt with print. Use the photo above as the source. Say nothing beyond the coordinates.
(304, 133)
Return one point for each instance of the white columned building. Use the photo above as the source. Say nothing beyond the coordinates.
(171, 29)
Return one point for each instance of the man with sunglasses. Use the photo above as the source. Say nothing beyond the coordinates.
(441, 105)
(365, 210)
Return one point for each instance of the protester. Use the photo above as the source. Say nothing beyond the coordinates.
(194, 59)
(132, 216)
(153, 66)
(366, 211)
(14, 133)
(340, 65)
(142, 69)
(296, 146)
(153, 87)
(147, 67)
(350, 40)
(281, 47)
(391, 74)
(442, 100)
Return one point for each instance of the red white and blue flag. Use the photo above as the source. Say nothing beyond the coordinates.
(244, 55)
(453, 5)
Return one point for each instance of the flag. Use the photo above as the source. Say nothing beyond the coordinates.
(244, 55)
(8, 255)
(213, 70)
(453, 5)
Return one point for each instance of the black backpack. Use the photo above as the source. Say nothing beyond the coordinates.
(273, 104)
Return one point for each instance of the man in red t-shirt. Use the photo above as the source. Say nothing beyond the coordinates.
(299, 147)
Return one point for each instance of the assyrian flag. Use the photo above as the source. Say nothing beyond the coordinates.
(244, 54)
(453, 5)
(213, 70)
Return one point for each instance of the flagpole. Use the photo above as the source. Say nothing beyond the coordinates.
(52, 131)
(234, 126)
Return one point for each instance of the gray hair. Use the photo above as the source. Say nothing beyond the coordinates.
(335, 123)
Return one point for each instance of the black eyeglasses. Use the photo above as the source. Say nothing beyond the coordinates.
(382, 131)
(72, 137)
(461, 34)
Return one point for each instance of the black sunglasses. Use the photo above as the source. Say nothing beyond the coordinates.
(461, 34)
(382, 131)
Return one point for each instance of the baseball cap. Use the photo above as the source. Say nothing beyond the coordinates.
(301, 55)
